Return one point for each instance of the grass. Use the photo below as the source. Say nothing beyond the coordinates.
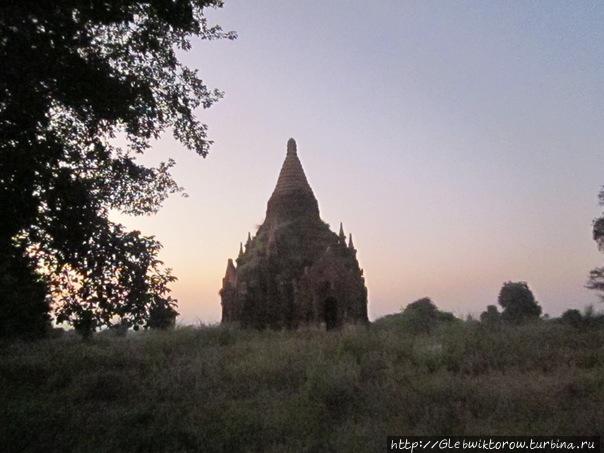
(219, 389)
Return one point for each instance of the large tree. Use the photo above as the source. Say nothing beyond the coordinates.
(596, 276)
(518, 303)
(75, 74)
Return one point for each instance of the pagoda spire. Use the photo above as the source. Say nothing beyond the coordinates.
(230, 276)
(292, 148)
(292, 178)
(292, 197)
(342, 235)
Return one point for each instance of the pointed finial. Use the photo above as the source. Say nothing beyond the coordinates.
(342, 235)
(350, 243)
(230, 265)
(249, 240)
(230, 275)
(240, 250)
(291, 147)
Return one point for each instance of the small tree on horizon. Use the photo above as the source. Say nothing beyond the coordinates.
(491, 315)
(572, 317)
(596, 276)
(518, 303)
(423, 315)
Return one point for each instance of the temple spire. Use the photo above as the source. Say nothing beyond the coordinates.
(291, 178)
(292, 197)
(249, 240)
(230, 275)
(240, 250)
(291, 147)
(350, 243)
(342, 235)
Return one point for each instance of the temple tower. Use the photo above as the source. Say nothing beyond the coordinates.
(295, 271)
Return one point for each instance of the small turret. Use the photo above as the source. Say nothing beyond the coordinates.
(342, 235)
(230, 276)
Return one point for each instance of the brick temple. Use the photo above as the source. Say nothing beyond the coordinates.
(295, 272)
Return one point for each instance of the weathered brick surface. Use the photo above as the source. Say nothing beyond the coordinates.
(295, 271)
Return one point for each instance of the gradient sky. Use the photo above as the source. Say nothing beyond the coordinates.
(460, 143)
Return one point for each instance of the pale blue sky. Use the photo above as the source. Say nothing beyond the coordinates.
(460, 142)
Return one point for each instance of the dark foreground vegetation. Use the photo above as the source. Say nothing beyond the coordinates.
(220, 389)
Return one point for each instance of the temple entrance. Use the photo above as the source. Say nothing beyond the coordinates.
(330, 313)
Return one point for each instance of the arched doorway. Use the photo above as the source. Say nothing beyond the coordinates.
(330, 313)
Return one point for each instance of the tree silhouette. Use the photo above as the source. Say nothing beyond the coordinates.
(76, 74)
(422, 316)
(518, 303)
(572, 317)
(490, 316)
(596, 276)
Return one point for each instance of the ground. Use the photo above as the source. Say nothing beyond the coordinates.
(220, 389)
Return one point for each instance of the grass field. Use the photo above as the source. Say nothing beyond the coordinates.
(218, 389)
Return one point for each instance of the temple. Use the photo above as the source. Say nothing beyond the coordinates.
(295, 271)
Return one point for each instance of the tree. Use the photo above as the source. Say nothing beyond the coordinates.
(75, 75)
(596, 276)
(490, 316)
(518, 303)
(23, 300)
(162, 317)
(572, 317)
(422, 316)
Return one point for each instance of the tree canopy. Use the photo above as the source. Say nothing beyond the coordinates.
(596, 276)
(518, 302)
(75, 75)
(422, 316)
(490, 316)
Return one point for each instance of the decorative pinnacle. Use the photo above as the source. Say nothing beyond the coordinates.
(249, 240)
(350, 243)
(292, 147)
(342, 235)
(240, 250)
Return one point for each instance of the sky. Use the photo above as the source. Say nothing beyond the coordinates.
(461, 143)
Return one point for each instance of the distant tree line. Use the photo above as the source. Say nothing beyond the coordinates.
(518, 306)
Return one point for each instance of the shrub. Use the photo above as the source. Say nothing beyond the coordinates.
(490, 316)
(572, 317)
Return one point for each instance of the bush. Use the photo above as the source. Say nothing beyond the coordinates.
(572, 318)
(422, 316)
(490, 316)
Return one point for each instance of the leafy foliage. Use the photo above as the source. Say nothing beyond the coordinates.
(596, 276)
(491, 315)
(76, 74)
(422, 316)
(518, 303)
(572, 317)
(23, 301)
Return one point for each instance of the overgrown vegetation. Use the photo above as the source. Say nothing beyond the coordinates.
(219, 389)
